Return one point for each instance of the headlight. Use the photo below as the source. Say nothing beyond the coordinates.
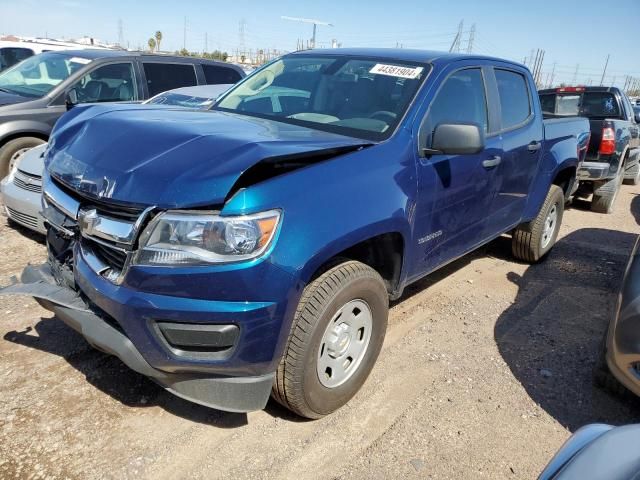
(192, 238)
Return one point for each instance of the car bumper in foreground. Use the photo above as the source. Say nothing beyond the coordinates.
(229, 393)
(623, 336)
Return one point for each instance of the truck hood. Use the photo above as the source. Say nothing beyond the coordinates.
(171, 157)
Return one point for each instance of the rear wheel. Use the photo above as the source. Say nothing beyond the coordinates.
(13, 150)
(335, 339)
(605, 193)
(532, 240)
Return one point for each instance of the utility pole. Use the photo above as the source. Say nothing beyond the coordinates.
(309, 20)
(472, 35)
(184, 34)
(575, 75)
(206, 42)
(605, 70)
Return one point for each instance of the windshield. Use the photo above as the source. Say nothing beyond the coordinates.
(355, 96)
(38, 75)
(180, 100)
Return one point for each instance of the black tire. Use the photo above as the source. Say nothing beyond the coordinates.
(605, 193)
(297, 385)
(527, 240)
(10, 148)
(602, 376)
(632, 176)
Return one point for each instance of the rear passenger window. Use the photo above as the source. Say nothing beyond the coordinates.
(218, 75)
(515, 101)
(460, 100)
(167, 76)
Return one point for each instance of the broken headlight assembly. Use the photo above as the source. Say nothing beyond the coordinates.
(195, 238)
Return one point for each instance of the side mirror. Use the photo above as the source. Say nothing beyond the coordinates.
(456, 139)
(71, 99)
(637, 117)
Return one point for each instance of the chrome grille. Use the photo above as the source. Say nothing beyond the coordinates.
(26, 181)
(22, 218)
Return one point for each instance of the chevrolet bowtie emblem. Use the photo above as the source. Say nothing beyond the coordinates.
(88, 220)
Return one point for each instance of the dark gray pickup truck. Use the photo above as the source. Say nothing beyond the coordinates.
(614, 149)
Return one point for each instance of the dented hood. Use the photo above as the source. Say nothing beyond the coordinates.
(169, 157)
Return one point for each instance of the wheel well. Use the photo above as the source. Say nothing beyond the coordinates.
(13, 136)
(565, 179)
(383, 253)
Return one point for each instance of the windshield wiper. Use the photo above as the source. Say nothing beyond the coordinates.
(5, 90)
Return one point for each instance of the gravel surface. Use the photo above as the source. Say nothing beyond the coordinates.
(485, 372)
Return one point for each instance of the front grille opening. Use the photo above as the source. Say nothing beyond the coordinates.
(111, 256)
(22, 218)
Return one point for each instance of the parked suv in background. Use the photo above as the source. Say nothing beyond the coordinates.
(38, 90)
(614, 150)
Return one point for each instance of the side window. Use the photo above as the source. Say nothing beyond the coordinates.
(10, 56)
(515, 100)
(113, 82)
(461, 99)
(217, 75)
(167, 76)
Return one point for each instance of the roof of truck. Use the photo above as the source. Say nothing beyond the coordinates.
(403, 54)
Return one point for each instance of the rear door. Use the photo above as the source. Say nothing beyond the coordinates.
(454, 191)
(163, 76)
(522, 134)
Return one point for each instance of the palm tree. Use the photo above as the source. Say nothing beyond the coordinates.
(152, 44)
(158, 38)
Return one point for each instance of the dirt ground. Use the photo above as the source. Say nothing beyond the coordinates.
(485, 372)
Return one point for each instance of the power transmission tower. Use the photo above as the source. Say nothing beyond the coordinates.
(184, 34)
(472, 35)
(605, 70)
(120, 33)
(242, 25)
(309, 20)
(455, 46)
(575, 74)
(553, 72)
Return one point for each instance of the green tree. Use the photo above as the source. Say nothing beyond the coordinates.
(158, 38)
(152, 44)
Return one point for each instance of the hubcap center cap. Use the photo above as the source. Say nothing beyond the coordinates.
(339, 340)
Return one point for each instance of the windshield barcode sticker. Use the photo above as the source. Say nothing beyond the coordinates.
(396, 71)
(81, 60)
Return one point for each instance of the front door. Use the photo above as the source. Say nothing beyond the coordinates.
(454, 191)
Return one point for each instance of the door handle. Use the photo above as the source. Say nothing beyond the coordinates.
(492, 162)
(534, 146)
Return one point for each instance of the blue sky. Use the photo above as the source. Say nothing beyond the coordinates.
(571, 32)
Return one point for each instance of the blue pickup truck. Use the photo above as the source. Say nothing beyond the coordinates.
(251, 250)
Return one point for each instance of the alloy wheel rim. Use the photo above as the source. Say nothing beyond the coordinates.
(344, 343)
(550, 224)
(16, 156)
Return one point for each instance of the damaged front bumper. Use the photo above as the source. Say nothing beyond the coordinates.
(229, 393)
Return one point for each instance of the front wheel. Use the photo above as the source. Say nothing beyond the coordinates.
(532, 240)
(335, 339)
(11, 152)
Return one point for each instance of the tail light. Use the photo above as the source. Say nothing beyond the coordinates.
(608, 142)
